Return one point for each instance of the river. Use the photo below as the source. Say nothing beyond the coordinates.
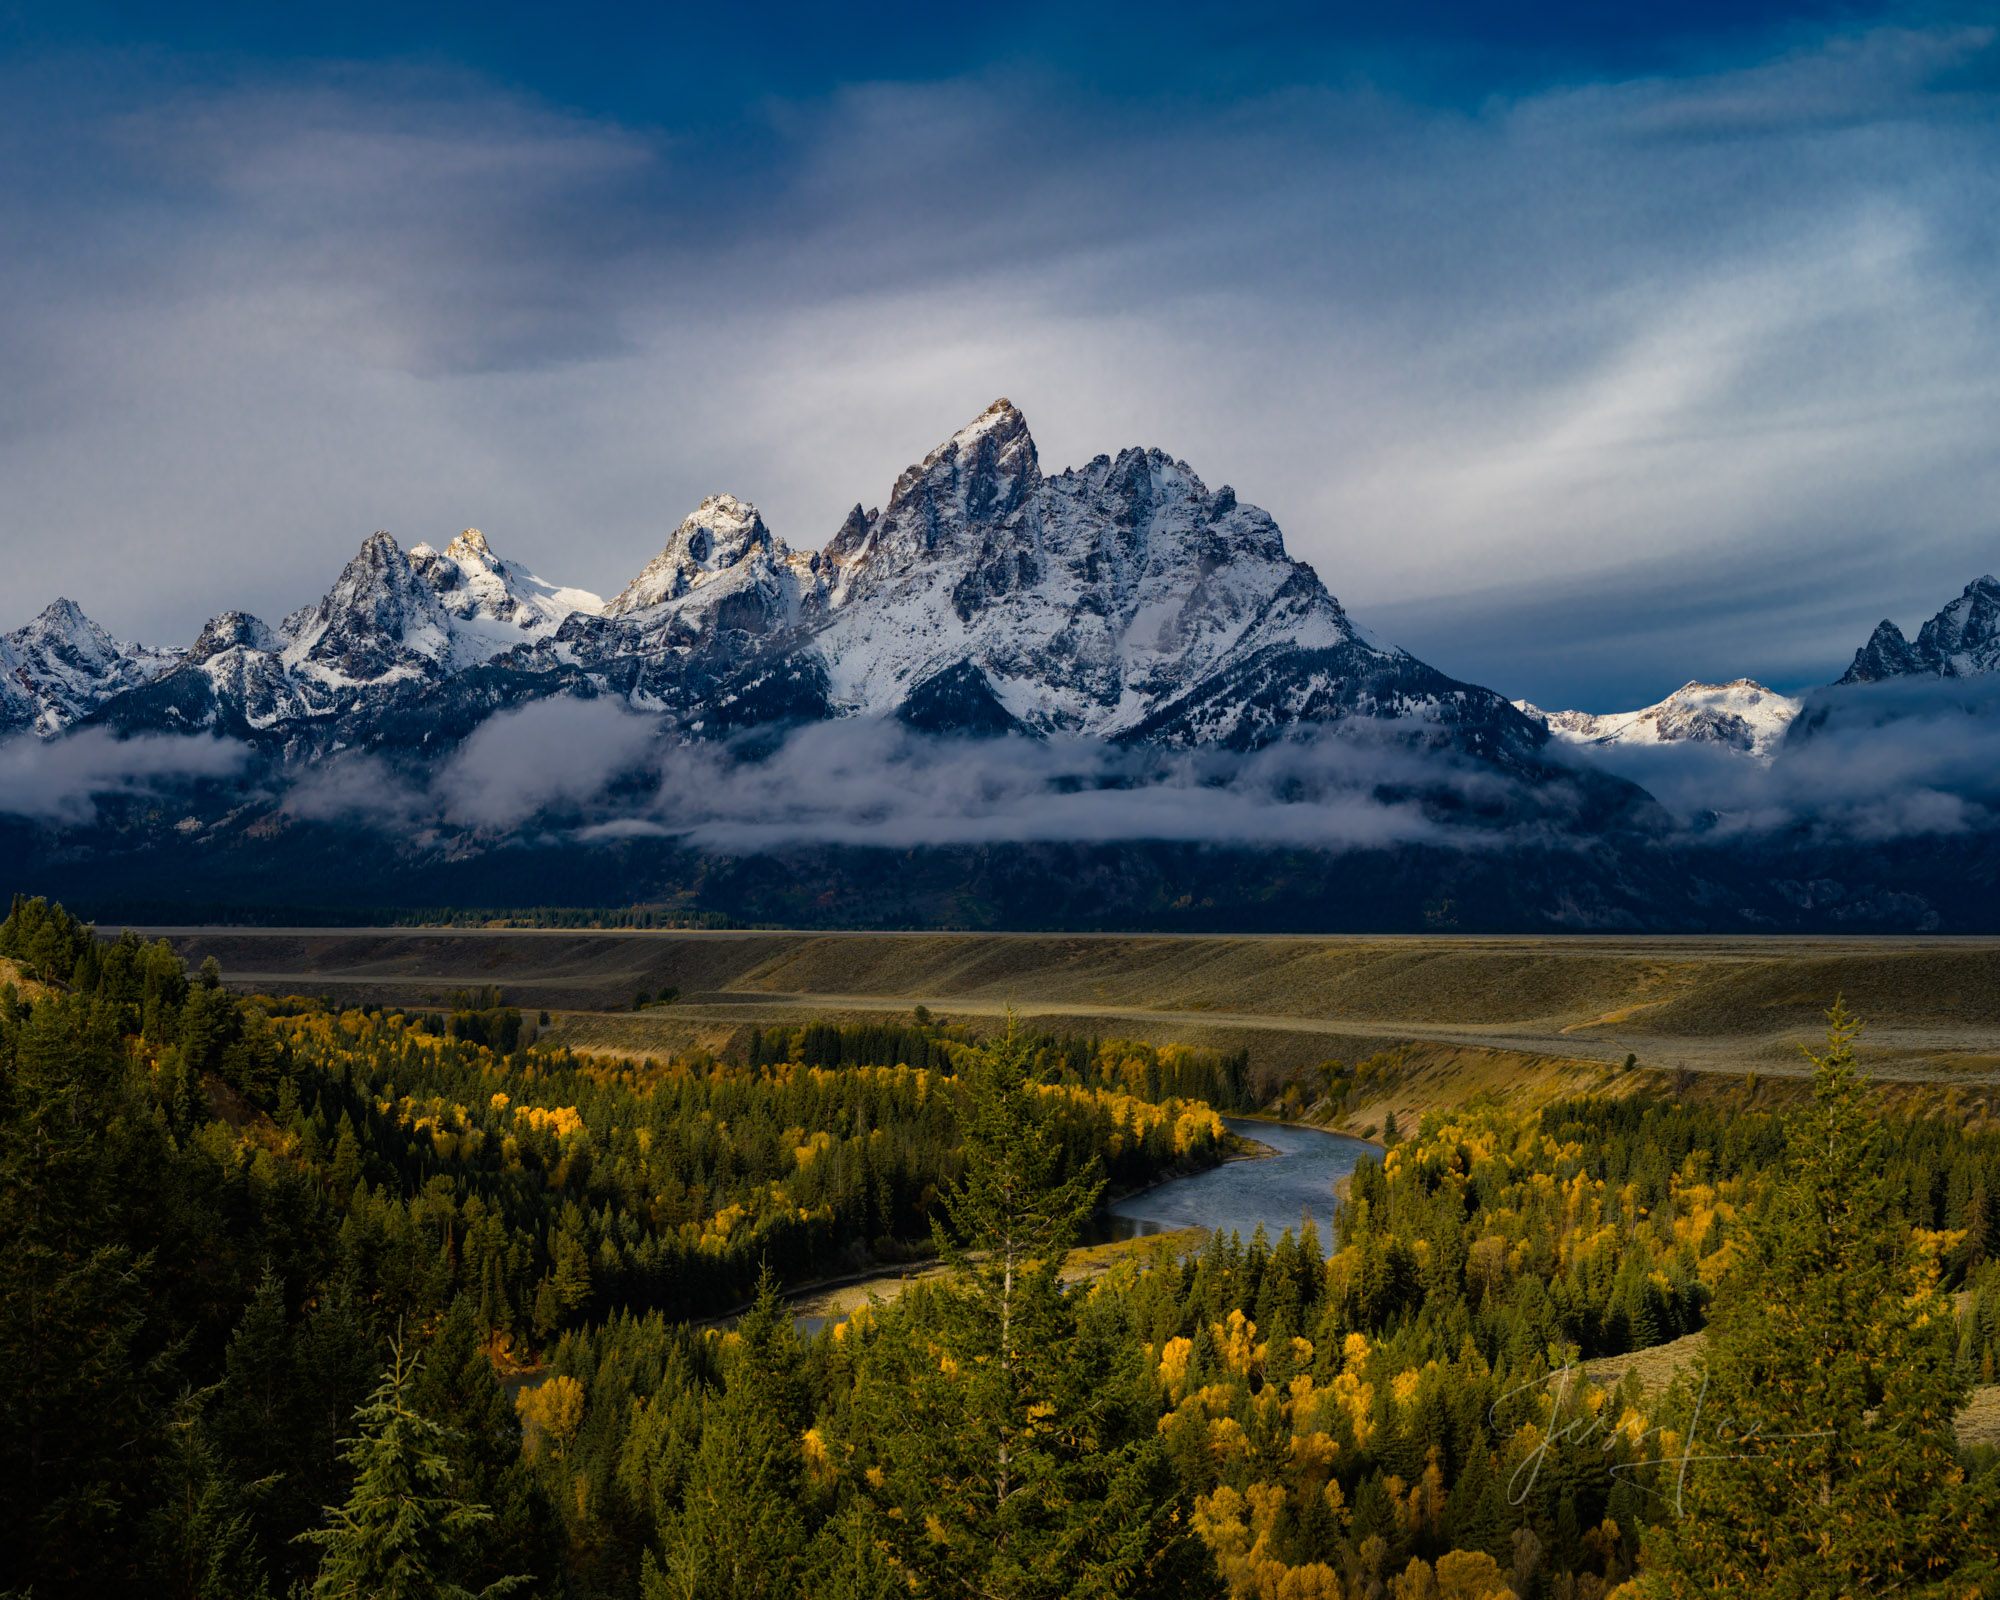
(1275, 1190)
(1238, 1195)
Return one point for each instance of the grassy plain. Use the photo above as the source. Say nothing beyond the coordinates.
(1525, 1017)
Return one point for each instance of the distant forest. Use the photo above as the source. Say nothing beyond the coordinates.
(132, 866)
(360, 1302)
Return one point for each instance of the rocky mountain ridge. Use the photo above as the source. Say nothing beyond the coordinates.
(1961, 641)
(1122, 600)
(1742, 715)
(60, 666)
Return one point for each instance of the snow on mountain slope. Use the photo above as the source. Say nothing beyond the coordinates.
(1743, 715)
(493, 604)
(232, 630)
(380, 621)
(61, 666)
(1120, 600)
(393, 617)
(390, 653)
(721, 548)
(1123, 599)
(1961, 641)
(1083, 600)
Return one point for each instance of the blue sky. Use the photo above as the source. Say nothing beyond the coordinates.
(1582, 349)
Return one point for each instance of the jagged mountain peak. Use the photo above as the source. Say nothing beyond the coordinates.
(848, 542)
(1120, 600)
(1885, 655)
(721, 533)
(63, 626)
(65, 614)
(379, 620)
(494, 604)
(999, 434)
(1964, 638)
(229, 631)
(60, 665)
(1961, 641)
(983, 474)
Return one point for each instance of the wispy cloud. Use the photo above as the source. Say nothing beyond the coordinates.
(1873, 762)
(878, 783)
(550, 754)
(595, 771)
(1909, 759)
(61, 780)
(1741, 322)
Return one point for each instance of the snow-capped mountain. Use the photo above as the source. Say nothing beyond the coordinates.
(430, 613)
(380, 624)
(724, 551)
(1742, 715)
(1120, 600)
(1961, 641)
(394, 653)
(490, 604)
(62, 666)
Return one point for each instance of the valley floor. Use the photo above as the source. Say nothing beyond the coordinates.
(1532, 1017)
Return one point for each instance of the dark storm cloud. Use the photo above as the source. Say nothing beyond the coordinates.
(1736, 317)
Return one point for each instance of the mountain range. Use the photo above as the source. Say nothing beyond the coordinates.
(1123, 600)
(1119, 606)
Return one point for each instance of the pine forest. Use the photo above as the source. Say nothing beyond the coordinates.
(303, 1300)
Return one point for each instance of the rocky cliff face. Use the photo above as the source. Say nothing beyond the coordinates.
(1122, 600)
(60, 667)
(1961, 641)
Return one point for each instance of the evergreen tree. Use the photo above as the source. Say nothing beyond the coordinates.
(992, 1422)
(455, 1386)
(83, 1395)
(202, 1535)
(850, 1561)
(1824, 1459)
(740, 1530)
(405, 1532)
(260, 1422)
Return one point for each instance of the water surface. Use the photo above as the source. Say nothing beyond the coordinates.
(1239, 1195)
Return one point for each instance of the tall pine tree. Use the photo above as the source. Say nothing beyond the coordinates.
(405, 1532)
(456, 1388)
(1007, 1457)
(1824, 1461)
(740, 1531)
